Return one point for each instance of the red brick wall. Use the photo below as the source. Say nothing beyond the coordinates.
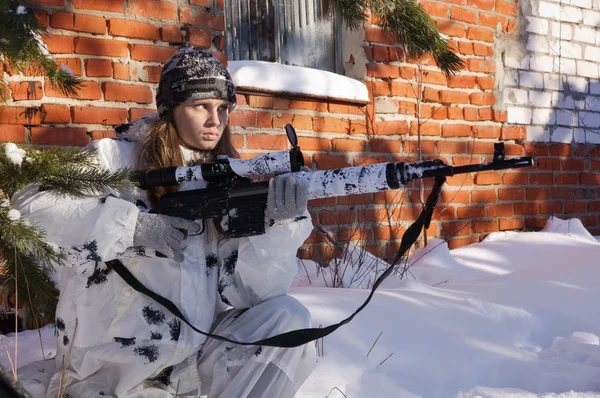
(118, 47)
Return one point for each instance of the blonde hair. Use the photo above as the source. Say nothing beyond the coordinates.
(161, 148)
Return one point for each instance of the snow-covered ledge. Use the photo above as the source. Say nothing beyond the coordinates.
(273, 78)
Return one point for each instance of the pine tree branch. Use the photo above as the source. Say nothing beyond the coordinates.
(408, 24)
(24, 50)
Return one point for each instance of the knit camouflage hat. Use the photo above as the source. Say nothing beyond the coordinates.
(192, 74)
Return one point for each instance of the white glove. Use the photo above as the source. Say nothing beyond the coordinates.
(165, 234)
(287, 198)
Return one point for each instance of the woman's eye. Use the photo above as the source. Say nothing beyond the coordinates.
(200, 106)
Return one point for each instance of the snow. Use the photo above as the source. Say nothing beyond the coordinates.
(14, 215)
(14, 153)
(66, 69)
(21, 10)
(512, 316)
(277, 78)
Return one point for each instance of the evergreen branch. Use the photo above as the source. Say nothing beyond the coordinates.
(417, 32)
(25, 49)
(352, 12)
(26, 239)
(70, 172)
(78, 181)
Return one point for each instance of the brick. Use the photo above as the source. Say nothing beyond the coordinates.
(526, 208)
(136, 113)
(55, 113)
(433, 77)
(300, 122)
(20, 115)
(470, 114)
(220, 4)
(12, 133)
(453, 97)
(100, 134)
(511, 224)
(153, 9)
(127, 93)
(59, 44)
(28, 90)
(358, 127)
(105, 5)
(402, 89)
(481, 4)
(482, 50)
(380, 53)
(269, 142)
(500, 116)
(107, 47)
(454, 113)
(387, 146)
(220, 42)
(434, 9)
(383, 71)
(462, 81)
(463, 14)
(511, 194)
(74, 64)
(98, 67)
(312, 143)
(378, 35)
(78, 22)
(348, 145)
(484, 226)
(450, 29)
(200, 38)
(516, 178)
(483, 196)
(482, 99)
(488, 178)
(308, 105)
(430, 95)
(120, 71)
(485, 82)
(330, 125)
(141, 52)
(480, 65)
(470, 212)
(465, 48)
(485, 113)
(456, 130)
(480, 34)
(89, 90)
(425, 128)
(97, 115)
(458, 228)
(566, 179)
(326, 161)
(153, 73)
(193, 16)
(59, 136)
(171, 34)
(537, 194)
(132, 29)
(506, 8)
(513, 133)
(486, 132)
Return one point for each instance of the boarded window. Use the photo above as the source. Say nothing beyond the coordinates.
(290, 32)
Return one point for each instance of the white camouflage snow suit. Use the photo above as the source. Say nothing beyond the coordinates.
(126, 345)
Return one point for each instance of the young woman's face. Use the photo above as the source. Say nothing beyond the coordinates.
(200, 123)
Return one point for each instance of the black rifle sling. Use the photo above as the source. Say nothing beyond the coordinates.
(298, 337)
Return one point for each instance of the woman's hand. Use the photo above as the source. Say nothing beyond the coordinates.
(165, 234)
(287, 198)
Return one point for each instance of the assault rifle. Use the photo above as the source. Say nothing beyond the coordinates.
(231, 192)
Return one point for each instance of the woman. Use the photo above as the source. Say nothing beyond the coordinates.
(118, 342)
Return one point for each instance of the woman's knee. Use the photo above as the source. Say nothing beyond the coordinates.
(290, 313)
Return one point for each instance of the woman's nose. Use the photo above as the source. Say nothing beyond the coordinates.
(213, 117)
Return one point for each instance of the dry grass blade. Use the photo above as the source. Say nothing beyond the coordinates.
(12, 367)
(376, 340)
(388, 357)
(335, 388)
